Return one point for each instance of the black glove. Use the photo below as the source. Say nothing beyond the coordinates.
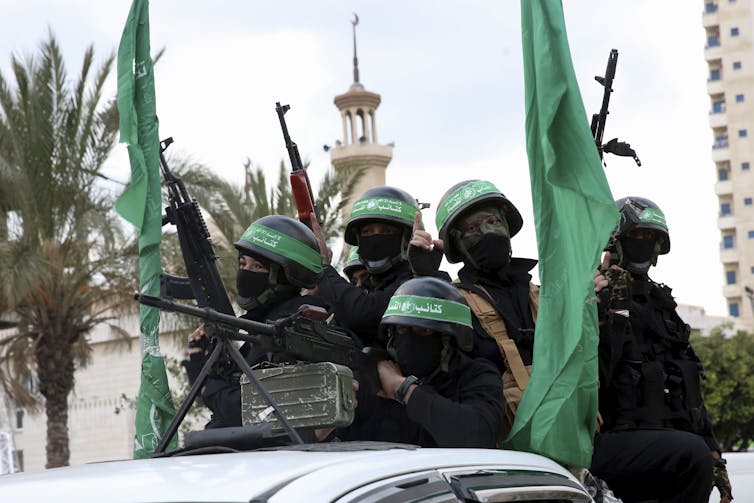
(720, 479)
(423, 262)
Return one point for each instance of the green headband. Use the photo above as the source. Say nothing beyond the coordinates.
(353, 254)
(384, 206)
(653, 216)
(461, 196)
(429, 308)
(288, 247)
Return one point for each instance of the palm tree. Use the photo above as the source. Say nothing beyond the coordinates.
(61, 249)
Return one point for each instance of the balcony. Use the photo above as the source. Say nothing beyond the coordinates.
(716, 120)
(710, 17)
(726, 222)
(714, 86)
(724, 187)
(728, 255)
(731, 291)
(712, 52)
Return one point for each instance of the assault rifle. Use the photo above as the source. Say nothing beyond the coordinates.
(598, 120)
(300, 185)
(205, 285)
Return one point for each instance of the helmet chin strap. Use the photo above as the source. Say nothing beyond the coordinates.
(457, 236)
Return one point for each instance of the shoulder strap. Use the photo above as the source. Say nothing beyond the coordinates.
(494, 325)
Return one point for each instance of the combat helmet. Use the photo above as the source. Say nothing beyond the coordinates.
(640, 213)
(353, 261)
(388, 205)
(433, 304)
(291, 249)
(460, 199)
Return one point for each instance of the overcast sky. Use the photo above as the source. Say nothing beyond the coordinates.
(451, 79)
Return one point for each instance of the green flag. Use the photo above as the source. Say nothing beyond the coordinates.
(574, 214)
(141, 204)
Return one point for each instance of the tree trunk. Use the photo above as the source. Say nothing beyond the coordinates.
(55, 369)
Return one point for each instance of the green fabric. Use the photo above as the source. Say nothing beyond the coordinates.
(461, 196)
(574, 214)
(384, 206)
(429, 308)
(141, 205)
(353, 254)
(279, 243)
(653, 216)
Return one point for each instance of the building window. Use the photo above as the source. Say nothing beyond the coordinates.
(19, 419)
(745, 166)
(739, 98)
(714, 75)
(721, 141)
(713, 41)
(747, 201)
(730, 277)
(751, 236)
(733, 309)
(736, 65)
(725, 209)
(722, 175)
(710, 7)
(727, 242)
(718, 107)
(734, 32)
(742, 133)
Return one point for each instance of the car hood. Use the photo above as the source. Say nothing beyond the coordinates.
(274, 475)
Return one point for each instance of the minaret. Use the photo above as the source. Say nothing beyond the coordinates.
(358, 146)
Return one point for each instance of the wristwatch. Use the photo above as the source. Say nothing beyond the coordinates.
(400, 393)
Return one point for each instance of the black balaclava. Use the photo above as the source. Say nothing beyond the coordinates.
(489, 249)
(417, 355)
(380, 252)
(638, 255)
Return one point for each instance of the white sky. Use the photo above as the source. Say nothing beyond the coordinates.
(451, 79)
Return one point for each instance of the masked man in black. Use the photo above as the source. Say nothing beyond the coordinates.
(655, 442)
(278, 256)
(380, 225)
(432, 395)
(476, 223)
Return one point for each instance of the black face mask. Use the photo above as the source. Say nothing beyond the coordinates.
(417, 355)
(492, 252)
(638, 254)
(380, 246)
(251, 284)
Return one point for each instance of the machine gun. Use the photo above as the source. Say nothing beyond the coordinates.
(205, 285)
(302, 336)
(598, 120)
(299, 336)
(300, 184)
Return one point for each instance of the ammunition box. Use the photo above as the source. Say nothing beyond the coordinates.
(310, 395)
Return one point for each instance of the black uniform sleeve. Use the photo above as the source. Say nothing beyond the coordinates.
(473, 421)
(354, 308)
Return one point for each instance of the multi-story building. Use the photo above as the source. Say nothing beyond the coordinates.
(730, 84)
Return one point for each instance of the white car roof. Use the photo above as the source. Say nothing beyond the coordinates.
(280, 475)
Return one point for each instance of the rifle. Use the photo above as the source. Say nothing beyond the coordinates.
(300, 185)
(205, 285)
(598, 120)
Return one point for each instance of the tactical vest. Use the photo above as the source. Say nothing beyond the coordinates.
(516, 374)
(657, 381)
